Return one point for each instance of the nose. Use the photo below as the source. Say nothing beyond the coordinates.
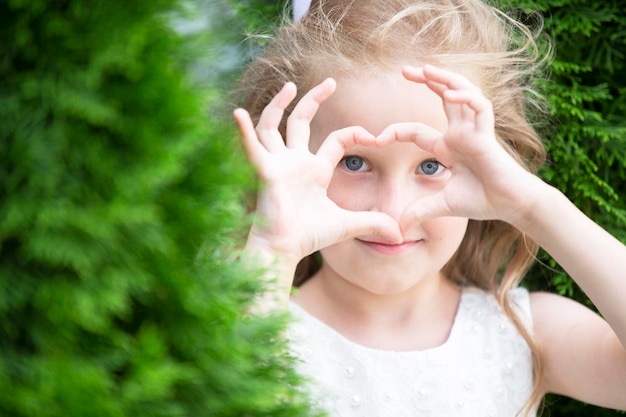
(393, 195)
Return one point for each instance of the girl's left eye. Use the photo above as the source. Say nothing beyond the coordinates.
(430, 167)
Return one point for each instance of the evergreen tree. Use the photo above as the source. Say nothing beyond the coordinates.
(119, 203)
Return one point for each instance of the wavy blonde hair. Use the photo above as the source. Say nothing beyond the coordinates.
(358, 37)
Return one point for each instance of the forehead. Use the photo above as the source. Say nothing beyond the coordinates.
(375, 102)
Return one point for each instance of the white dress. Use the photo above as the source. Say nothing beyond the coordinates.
(483, 369)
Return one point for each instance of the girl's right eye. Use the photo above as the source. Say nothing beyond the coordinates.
(354, 164)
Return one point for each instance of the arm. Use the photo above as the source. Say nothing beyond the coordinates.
(583, 355)
(591, 256)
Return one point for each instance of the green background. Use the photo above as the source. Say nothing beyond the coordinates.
(121, 189)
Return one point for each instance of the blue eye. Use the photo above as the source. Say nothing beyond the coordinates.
(430, 167)
(354, 163)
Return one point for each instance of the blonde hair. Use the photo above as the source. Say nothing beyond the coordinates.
(356, 37)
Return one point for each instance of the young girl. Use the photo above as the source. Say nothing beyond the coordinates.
(399, 191)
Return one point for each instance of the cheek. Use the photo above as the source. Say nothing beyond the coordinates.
(448, 231)
(348, 195)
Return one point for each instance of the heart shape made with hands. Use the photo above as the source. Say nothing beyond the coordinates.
(430, 141)
(421, 135)
(482, 180)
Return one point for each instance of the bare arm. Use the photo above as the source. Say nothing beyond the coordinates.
(585, 356)
(582, 355)
(590, 255)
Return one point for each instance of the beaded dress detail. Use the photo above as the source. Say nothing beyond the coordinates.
(483, 369)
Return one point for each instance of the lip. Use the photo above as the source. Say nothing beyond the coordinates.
(390, 248)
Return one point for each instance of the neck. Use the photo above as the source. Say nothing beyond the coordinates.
(413, 319)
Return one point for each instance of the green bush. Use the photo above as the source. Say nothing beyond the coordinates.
(119, 203)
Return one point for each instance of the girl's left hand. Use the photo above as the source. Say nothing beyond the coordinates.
(487, 183)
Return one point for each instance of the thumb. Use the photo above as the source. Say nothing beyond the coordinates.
(424, 209)
(366, 223)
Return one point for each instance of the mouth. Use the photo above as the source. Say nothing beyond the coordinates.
(386, 248)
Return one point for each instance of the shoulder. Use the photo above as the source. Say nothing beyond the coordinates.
(482, 310)
(518, 294)
(555, 313)
(518, 297)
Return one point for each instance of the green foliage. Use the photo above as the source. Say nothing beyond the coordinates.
(261, 14)
(119, 203)
(587, 142)
(588, 145)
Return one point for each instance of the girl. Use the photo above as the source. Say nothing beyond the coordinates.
(399, 191)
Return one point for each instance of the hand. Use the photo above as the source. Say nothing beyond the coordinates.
(486, 183)
(295, 217)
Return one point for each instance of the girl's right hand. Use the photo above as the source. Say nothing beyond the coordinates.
(294, 216)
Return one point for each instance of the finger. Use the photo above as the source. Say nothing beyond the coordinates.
(299, 122)
(369, 223)
(254, 149)
(442, 81)
(453, 82)
(335, 145)
(424, 209)
(424, 136)
(416, 74)
(450, 79)
(272, 115)
(480, 106)
(453, 111)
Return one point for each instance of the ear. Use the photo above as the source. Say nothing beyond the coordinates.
(300, 7)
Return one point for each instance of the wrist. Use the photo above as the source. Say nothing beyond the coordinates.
(541, 203)
(276, 269)
(280, 265)
(260, 246)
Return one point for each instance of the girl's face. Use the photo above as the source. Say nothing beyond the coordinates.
(387, 180)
